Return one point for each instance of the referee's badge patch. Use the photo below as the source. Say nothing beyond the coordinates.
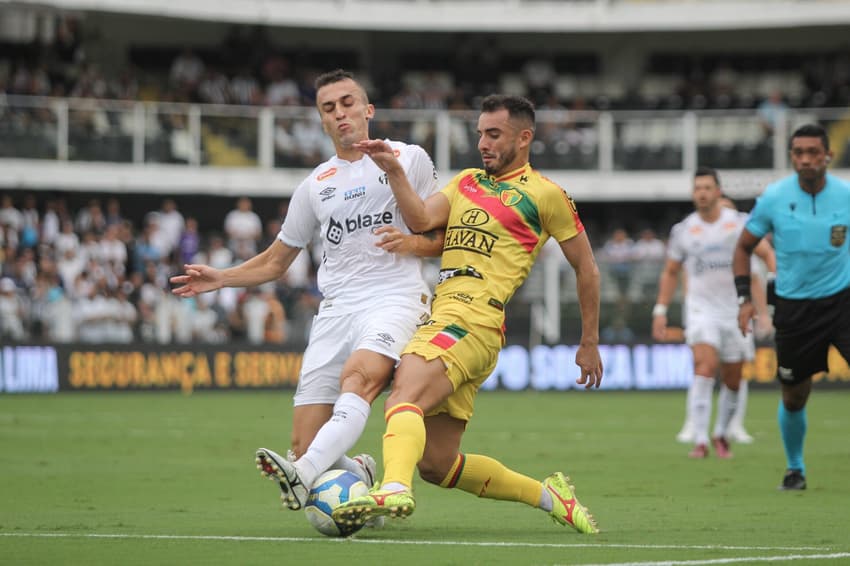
(837, 235)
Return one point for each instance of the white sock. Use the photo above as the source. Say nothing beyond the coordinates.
(701, 407)
(394, 486)
(689, 419)
(349, 464)
(546, 502)
(335, 438)
(737, 421)
(727, 401)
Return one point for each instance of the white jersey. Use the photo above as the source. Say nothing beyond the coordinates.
(347, 200)
(706, 249)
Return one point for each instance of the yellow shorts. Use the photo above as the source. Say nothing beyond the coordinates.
(469, 352)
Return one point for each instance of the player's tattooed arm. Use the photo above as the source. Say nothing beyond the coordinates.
(426, 244)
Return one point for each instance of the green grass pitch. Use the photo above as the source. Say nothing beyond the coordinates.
(163, 478)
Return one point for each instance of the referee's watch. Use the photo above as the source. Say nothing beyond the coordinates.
(744, 299)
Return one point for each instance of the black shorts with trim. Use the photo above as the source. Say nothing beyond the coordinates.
(804, 330)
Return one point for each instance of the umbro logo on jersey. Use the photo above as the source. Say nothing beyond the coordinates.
(355, 193)
(328, 193)
(386, 338)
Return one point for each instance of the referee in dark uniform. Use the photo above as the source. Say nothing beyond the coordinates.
(808, 214)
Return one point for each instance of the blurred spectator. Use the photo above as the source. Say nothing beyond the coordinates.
(112, 250)
(51, 222)
(617, 332)
(206, 324)
(190, 242)
(121, 316)
(50, 309)
(146, 247)
(69, 266)
(648, 254)
(260, 316)
(10, 218)
(218, 255)
(617, 257)
(23, 269)
(243, 228)
(91, 314)
(30, 223)
(770, 111)
(214, 87)
(12, 312)
(244, 88)
(539, 74)
(113, 212)
(171, 224)
(66, 240)
(186, 70)
(90, 249)
(91, 218)
(282, 90)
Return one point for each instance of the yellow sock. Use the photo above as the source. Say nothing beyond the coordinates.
(404, 443)
(485, 477)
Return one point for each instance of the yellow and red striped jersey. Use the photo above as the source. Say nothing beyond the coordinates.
(495, 230)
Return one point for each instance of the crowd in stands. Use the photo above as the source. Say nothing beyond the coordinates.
(247, 68)
(90, 275)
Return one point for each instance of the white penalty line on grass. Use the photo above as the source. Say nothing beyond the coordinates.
(355, 540)
(737, 560)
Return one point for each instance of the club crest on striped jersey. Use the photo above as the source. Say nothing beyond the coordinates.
(510, 197)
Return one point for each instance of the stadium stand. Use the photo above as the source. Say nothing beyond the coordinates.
(95, 107)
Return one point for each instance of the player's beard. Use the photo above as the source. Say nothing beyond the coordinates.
(497, 167)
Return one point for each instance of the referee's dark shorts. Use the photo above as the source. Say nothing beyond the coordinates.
(804, 330)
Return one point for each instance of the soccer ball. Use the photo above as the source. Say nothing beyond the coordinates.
(330, 490)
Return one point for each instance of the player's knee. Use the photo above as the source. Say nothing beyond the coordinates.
(431, 473)
(363, 384)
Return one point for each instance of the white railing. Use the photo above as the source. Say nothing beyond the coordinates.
(592, 150)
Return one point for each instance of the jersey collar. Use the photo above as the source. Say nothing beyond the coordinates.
(524, 170)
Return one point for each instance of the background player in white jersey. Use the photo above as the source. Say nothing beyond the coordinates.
(702, 244)
(373, 300)
(736, 431)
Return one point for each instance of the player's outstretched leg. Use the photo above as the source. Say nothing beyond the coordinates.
(566, 510)
(293, 493)
(378, 503)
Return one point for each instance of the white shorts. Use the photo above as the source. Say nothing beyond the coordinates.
(724, 336)
(384, 328)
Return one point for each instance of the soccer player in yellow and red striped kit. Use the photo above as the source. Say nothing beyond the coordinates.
(497, 220)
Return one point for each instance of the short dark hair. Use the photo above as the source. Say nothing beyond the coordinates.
(706, 171)
(517, 106)
(810, 131)
(336, 76)
(333, 77)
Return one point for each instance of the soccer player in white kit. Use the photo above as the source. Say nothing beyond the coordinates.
(703, 244)
(374, 294)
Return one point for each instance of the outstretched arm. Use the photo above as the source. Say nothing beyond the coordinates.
(268, 265)
(427, 244)
(419, 215)
(578, 252)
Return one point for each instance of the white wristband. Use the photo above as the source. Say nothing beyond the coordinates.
(659, 310)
